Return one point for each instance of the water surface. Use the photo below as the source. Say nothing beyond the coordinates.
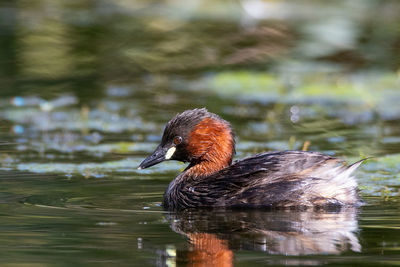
(86, 89)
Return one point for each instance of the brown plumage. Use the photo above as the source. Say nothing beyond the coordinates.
(274, 179)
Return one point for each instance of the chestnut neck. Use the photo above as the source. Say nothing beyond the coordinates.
(211, 146)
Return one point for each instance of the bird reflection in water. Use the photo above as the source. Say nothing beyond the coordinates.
(214, 235)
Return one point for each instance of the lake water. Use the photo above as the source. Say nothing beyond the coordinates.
(85, 91)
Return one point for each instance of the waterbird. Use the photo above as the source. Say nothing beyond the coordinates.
(278, 179)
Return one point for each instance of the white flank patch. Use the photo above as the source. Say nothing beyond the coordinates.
(170, 152)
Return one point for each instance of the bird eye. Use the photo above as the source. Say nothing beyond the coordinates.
(177, 140)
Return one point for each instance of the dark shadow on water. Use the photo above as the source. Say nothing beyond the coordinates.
(215, 236)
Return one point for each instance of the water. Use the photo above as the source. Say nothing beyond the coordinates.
(86, 89)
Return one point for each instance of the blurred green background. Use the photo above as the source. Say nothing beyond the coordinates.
(87, 86)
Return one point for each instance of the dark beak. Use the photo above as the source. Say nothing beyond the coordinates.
(155, 158)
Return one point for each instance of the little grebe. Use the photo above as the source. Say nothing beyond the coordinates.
(274, 179)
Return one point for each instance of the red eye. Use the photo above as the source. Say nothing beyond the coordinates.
(177, 140)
